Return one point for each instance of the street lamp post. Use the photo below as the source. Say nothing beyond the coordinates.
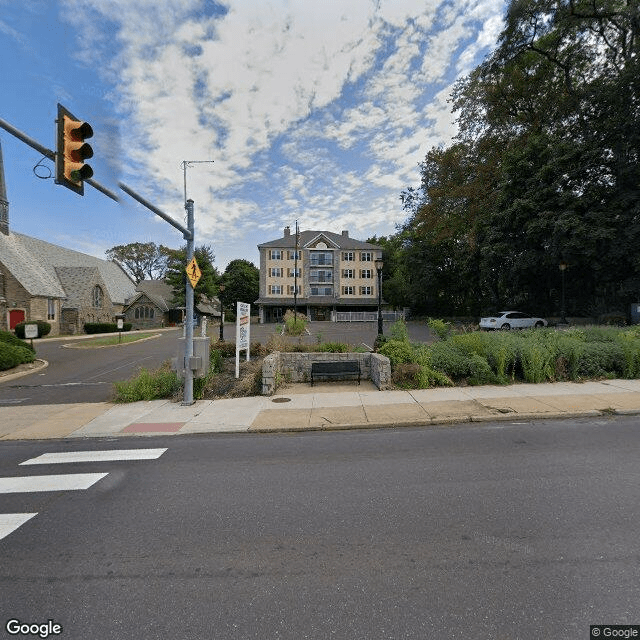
(563, 267)
(220, 292)
(379, 265)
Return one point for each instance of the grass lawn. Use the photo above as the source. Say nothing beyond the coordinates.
(109, 341)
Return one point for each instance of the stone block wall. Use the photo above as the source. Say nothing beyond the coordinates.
(281, 367)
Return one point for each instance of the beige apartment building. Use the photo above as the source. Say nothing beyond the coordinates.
(334, 274)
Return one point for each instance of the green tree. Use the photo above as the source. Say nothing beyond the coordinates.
(545, 168)
(176, 275)
(241, 280)
(141, 260)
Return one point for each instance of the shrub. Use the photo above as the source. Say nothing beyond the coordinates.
(105, 327)
(295, 324)
(398, 331)
(44, 328)
(8, 338)
(11, 355)
(397, 351)
(149, 385)
(601, 359)
(441, 328)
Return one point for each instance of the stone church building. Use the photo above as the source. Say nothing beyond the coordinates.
(43, 281)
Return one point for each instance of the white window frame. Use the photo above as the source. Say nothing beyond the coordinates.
(275, 254)
(366, 274)
(275, 289)
(275, 272)
(348, 290)
(348, 256)
(366, 256)
(366, 291)
(348, 273)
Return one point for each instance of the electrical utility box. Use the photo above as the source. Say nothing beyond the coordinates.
(199, 362)
(635, 313)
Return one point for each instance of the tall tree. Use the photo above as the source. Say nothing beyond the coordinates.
(176, 274)
(241, 280)
(546, 167)
(141, 260)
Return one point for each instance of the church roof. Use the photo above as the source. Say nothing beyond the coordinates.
(33, 262)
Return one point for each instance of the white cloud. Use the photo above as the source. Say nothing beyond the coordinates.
(348, 93)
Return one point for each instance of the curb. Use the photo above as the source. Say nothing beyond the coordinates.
(12, 376)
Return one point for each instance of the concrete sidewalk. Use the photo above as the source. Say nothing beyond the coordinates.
(327, 406)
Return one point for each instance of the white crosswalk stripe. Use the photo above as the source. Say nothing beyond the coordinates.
(9, 522)
(96, 456)
(63, 482)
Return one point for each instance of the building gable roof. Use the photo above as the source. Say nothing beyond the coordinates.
(33, 262)
(339, 240)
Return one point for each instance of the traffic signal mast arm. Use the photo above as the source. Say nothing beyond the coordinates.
(34, 144)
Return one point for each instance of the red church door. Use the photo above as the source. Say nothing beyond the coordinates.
(16, 316)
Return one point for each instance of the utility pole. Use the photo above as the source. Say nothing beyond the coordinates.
(188, 234)
(295, 278)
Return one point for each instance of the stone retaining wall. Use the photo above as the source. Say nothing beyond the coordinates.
(280, 367)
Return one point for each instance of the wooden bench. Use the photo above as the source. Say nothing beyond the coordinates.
(339, 369)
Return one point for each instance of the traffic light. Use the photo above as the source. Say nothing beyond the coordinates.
(72, 151)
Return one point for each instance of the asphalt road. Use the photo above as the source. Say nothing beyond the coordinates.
(82, 374)
(501, 532)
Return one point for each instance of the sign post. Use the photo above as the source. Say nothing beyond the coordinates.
(243, 330)
(31, 331)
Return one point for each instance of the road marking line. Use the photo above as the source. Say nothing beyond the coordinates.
(11, 521)
(96, 456)
(65, 482)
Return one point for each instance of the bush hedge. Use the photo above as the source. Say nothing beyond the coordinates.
(11, 355)
(44, 328)
(105, 327)
(534, 355)
(8, 338)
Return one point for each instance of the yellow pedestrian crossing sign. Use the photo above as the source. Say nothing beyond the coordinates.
(193, 272)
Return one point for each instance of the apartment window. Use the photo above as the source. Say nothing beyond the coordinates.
(320, 258)
(97, 297)
(291, 255)
(51, 309)
(348, 291)
(348, 256)
(275, 272)
(348, 273)
(365, 256)
(275, 254)
(275, 289)
(292, 273)
(365, 273)
(321, 276)
(321, 291)
(291, 289)
(365, 291)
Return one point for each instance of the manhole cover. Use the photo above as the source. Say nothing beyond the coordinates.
(281, 400)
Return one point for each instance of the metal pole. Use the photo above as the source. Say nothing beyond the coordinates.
(379, 302)
(188, 322)
(295, 279)
(221, 289)
(563, 319)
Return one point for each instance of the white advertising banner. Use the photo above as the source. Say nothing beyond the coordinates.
(243, 332)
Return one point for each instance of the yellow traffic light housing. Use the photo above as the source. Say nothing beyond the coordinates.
(72, 151)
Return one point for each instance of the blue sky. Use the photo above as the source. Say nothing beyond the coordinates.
(316, 112)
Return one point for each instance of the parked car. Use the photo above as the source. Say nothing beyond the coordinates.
(511, 320)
